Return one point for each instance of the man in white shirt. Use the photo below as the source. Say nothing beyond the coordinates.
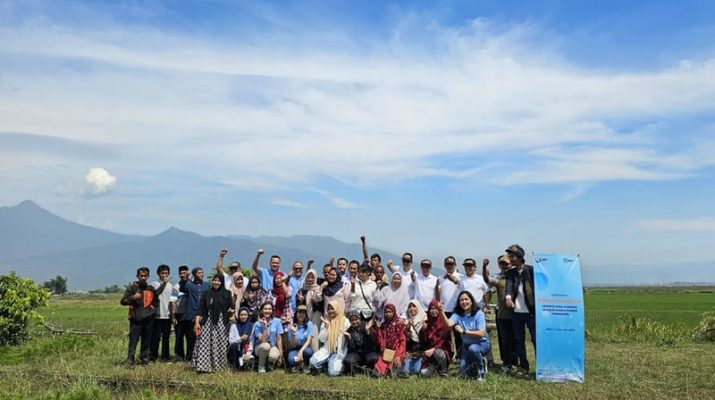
(406, 265)
(425, 284)
(471, 281)
(447, 292)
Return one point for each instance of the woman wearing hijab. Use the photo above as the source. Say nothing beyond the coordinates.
(281, 299)
(254, 296)
(238, 337)
(300, 335)
(437, 339)
(237, 289)
(390, 336)
(416, 318)
(333, 289)
(310, 296)
(362, 350)
(397, 294)
(468, 320)
(334, 344)
(211, 327)
(266, 339)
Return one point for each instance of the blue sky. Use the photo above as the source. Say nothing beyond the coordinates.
(436, 127)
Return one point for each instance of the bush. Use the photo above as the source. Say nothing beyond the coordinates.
(19, 297)
(706, 330)
(56, 285)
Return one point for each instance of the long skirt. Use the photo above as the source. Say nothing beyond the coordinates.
(211, 347)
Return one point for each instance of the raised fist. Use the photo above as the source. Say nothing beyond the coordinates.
(260, 252)
(223, 252)
(362, 238)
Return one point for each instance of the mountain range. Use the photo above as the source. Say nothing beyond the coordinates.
(40, 245)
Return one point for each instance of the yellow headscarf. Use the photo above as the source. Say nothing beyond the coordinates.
(335, 325)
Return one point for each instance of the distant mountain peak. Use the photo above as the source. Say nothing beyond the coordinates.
(28, 205)
(176, 232)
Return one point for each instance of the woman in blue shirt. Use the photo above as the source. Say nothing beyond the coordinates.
(266, 339)
(469, 321)
(300, 335)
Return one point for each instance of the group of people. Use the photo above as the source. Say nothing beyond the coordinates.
(352, 319)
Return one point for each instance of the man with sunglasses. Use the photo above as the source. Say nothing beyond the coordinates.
(406, 265)
(425, 284)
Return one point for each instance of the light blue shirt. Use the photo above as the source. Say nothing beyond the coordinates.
(303, 332)
(275, 328)
(473, 322)
(266, 276)
(295, 285)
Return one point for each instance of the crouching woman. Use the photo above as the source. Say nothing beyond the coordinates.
(334, 348)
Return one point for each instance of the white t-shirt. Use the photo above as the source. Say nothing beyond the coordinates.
(424, 289)
(356, 301)
(474, 285)
(164, 299)
(448, 292)
(520, 304)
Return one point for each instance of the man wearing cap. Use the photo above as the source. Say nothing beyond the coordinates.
(266, 275)
(505, 331)
(192, 289)
(425, 284)
(471, 281)
(234, 267)
(177, 305)
(520, 298)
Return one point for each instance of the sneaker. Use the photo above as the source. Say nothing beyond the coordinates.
(261, 370)
(480, 379)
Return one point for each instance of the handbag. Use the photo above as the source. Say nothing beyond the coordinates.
(388, 355)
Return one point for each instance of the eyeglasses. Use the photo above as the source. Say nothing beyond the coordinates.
(470, 265)
(406, 260)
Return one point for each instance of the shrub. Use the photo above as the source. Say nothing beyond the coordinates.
(705, 331)
(19, 297)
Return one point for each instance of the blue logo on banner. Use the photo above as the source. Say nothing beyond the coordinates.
(560, 334)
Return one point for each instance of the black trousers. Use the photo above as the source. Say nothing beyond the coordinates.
(521, 321)
(354, 360)
(505, 334)
(160, 333)
(139, 330)
(188, 328)
(179, 339)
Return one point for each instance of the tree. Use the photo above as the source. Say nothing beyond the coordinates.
(19, 297)
(56, 285)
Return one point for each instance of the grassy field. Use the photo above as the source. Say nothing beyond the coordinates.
(639, 346)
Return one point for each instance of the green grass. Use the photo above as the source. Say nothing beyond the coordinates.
(622, 360)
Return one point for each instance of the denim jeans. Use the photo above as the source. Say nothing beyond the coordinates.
(334, 363)
(471, 365)
(412, 366)
(307, 353)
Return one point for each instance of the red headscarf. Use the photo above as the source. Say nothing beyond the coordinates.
(279, 294)
(436, 333)
(393, 330)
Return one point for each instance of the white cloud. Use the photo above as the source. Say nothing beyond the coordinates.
(278, 118)
(698, 224)
(99, 180)
(287, 203)
(337, 201)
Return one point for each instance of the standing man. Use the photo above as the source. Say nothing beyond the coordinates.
(296, 280)
(505, 331)
(177, 307)
(266, 275)
(406, 265)
(520, 298)
(343, 266)
(448, 293)
(161, 329)
(471, 281)
(193, 289)
(234, 267)
(142, 302)
(375, 259)
(425, 284)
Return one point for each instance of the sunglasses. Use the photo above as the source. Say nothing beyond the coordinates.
(404, 260)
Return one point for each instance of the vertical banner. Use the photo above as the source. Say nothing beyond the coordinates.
(560, 333)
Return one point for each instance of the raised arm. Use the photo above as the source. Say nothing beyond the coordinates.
(219, 262)
(365, 253)
(255, 267)
(391, 266)
(485, 270)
